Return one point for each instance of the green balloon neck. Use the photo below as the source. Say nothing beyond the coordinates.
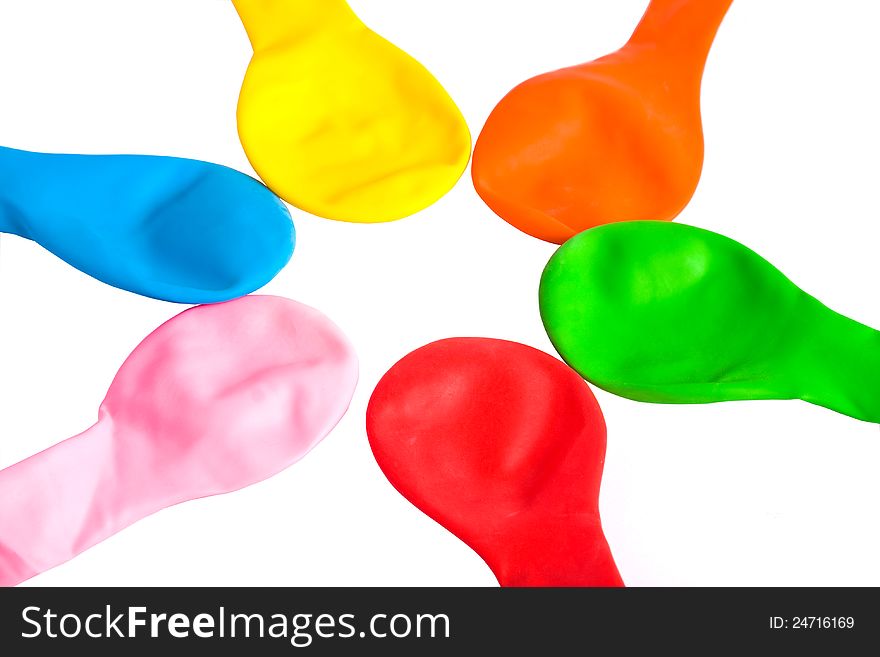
(836, 364)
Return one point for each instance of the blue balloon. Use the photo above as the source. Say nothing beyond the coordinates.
(168, 228)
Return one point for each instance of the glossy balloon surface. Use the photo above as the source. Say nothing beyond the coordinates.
(168, 228)
(218, 398)
(340, 122)
(670, 313)
(616, 139)
(504, 446)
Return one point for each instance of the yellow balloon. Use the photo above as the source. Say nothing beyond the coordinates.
(338, 121)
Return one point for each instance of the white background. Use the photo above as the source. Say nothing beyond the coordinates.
(739, 493)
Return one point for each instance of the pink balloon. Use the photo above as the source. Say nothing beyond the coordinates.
(218, 398)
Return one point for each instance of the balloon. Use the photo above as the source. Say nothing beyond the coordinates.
(172, 229)
(617, 139)
(504, 446)
(338, 121)
(218, 398)
(669, 313)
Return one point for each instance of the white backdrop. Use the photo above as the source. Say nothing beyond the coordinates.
(739, 493)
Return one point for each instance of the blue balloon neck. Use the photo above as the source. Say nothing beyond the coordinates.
(12, 221)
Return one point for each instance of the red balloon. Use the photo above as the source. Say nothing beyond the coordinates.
(504, 446)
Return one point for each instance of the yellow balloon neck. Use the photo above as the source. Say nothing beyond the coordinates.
(268, 22)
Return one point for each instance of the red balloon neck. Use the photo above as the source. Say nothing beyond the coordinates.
(568, 550)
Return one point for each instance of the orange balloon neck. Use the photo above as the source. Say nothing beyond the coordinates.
(678, 34)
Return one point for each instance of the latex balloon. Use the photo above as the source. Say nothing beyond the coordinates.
(617, 139)
(218, 398)
(338, 121)
(173, 229)
(504, 446)
(674, 314)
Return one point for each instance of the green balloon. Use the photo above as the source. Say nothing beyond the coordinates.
(667, 313)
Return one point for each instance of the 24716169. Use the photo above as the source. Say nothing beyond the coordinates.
(812, 623)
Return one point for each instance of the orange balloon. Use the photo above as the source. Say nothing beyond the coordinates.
(617, 139)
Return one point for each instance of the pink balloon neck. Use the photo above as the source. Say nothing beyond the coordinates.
(78, 493)
(48, 514)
